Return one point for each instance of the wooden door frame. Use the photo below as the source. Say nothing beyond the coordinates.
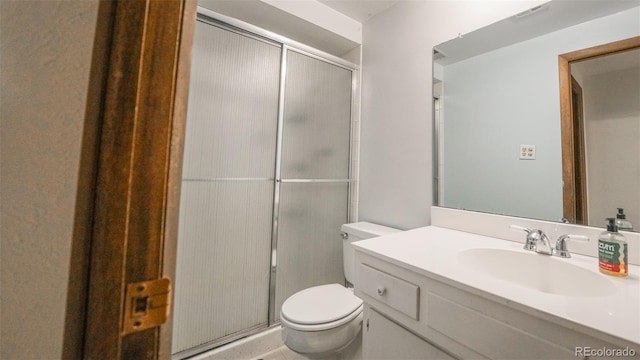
(136, 191)
(566, 114)
(580, 208)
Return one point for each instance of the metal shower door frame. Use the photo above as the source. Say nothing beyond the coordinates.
(215, 19)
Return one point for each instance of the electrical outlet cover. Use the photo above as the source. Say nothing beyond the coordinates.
(527, 152)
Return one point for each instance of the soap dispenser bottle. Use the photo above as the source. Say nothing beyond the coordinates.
(612, 251)
(622, 222)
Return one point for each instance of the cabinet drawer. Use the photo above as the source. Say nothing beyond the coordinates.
(390, 290)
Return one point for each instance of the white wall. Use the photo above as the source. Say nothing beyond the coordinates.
(46, 57)
(612, 129)
(396, 145)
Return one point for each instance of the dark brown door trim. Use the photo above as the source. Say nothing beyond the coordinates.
(579, 163)
(138, 176)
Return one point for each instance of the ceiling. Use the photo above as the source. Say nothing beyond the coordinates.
(263, 15)
(359, 10)
(541, 20)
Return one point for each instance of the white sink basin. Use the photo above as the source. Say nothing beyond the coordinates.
(544, 273)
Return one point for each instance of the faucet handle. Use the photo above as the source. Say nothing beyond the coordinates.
(532, 236)
(519, 228)
(561, 244)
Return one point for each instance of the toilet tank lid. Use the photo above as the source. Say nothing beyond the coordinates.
(365, 229)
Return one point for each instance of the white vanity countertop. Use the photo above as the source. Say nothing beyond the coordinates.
(433, 251)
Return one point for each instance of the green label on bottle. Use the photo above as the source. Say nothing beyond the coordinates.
(612, 256)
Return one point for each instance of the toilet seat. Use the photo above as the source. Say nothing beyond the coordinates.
(320, 308)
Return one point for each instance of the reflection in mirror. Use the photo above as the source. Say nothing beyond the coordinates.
(600, 117)
(497, 91)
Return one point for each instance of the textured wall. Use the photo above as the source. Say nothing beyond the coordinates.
(46, 57)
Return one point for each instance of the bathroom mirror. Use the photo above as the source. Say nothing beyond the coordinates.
(497, 114)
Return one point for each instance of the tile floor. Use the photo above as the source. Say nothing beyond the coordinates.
(284, 353)
(281, 353)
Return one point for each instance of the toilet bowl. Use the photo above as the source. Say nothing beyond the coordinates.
(321, 320)
(326, 320)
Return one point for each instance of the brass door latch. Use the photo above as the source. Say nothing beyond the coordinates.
(147, 305)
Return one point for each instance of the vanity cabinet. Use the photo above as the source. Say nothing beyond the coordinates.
(383, 339)
(410, 315)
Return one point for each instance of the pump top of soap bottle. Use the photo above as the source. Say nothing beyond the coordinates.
(622, 222)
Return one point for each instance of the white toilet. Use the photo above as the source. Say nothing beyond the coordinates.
(325, 320)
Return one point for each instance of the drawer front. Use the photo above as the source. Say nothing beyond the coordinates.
(390, 290)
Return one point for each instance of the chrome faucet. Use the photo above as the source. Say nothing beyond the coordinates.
(543, 244)
(539, 242)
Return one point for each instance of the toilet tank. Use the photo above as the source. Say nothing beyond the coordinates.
(356, 232)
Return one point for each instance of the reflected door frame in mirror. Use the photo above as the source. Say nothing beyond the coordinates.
(573, 170)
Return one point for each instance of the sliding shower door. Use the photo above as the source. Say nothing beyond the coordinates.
(314, 187)
(265, 187)
(224, 240)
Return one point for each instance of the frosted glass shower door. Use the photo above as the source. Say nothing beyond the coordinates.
(224, 241)
(314, 188)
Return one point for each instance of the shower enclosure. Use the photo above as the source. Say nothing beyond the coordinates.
(266, 181)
